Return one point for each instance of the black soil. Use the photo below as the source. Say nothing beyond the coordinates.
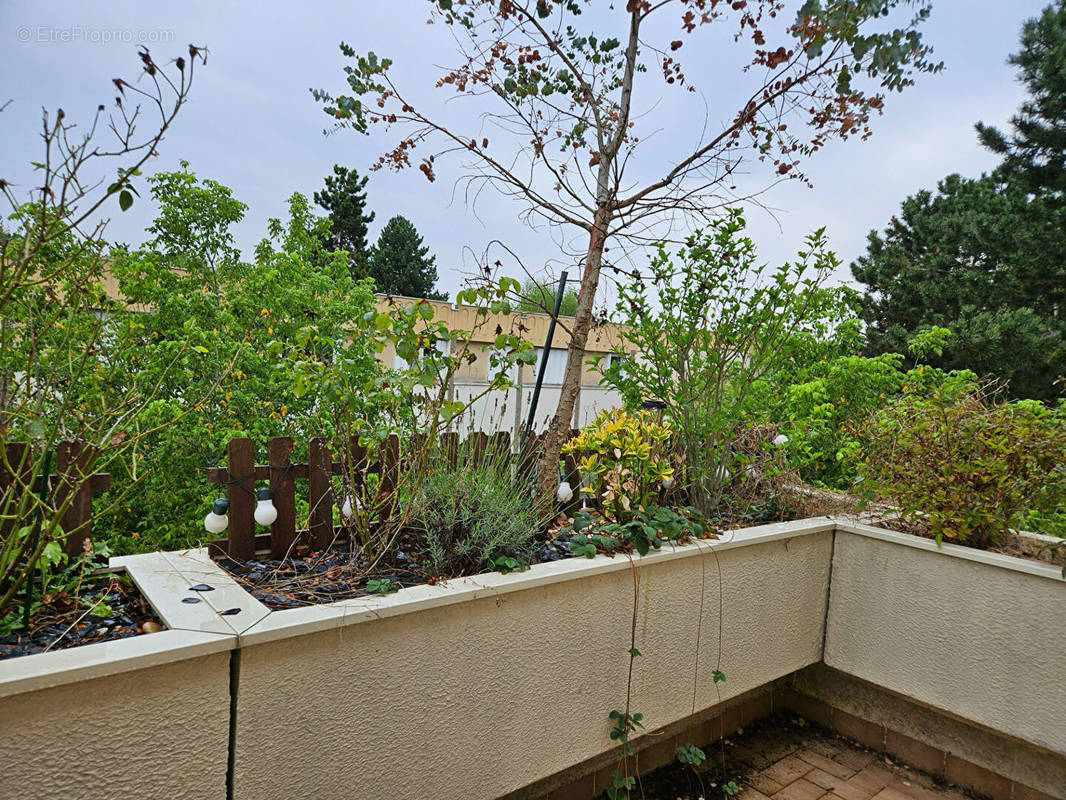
(340, 573)
(63, 619)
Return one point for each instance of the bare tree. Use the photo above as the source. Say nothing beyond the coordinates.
(562, 75)
(65, 346)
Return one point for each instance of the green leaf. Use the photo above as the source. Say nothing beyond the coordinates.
(381, 586)
(52, 553)
(125, 199)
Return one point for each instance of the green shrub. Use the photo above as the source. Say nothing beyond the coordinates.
(646, 530)
(1049, 523)
(711, 324)
(467, 517)
(969, 466)
(822, 389)
(246, 322)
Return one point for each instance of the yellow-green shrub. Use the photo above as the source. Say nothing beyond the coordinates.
(627, 459)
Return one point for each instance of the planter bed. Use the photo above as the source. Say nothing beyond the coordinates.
(336, 574)
(67, 621)
(1025, 545)
(139, 717)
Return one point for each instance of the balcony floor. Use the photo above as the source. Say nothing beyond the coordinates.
(791, 760)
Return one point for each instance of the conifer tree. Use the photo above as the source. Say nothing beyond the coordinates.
(401, 265)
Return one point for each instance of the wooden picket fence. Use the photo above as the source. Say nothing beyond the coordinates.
(241, 474)
(72, 463)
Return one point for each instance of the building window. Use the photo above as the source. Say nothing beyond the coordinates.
(442, 348)
(556, 365)
(509, 372)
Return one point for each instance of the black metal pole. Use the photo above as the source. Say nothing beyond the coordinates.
(543, 362)
(46, 474)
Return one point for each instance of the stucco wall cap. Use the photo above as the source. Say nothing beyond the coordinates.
(311, 619)
(165, 580)
(58, 667)
(1048, 571)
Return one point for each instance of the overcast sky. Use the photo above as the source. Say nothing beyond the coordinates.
(252, 124)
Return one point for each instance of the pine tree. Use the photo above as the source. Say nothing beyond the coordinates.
(984, 257)
(345, 199)
(1035, 155)
(401, 265)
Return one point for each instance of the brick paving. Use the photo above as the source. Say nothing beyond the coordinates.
(789, 760)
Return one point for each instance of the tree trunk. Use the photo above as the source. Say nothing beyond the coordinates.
(548, 469)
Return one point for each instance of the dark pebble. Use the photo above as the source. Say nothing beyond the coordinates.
(190, 599)
(229, 612)
(255, 576)
(201, 587)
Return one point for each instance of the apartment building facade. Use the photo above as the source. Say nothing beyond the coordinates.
(507, 410)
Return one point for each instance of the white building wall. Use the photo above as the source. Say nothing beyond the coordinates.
(507, 410)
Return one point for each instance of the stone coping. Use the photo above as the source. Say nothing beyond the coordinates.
(73, 664)
(193, 629)
(1014, 563)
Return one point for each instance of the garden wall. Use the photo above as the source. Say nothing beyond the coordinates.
(973, 633)
(141, 717)
(493, 683)
(501, 684)
(146, 717)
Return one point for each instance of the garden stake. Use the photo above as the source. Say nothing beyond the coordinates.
(46, 470)
(543, 363)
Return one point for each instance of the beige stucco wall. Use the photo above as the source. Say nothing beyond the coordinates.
(475, 699)
(160, 732)
(968, 635)
(602, 338)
